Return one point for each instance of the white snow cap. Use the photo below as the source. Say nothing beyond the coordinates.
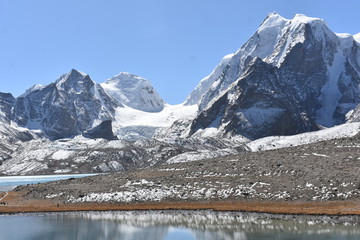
(134, 91)
(272, 20)
(357, 37)
(301, 18)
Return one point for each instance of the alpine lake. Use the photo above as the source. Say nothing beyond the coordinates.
(169, 224)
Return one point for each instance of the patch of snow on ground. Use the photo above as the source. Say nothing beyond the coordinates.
(66, 170)
(62, 154)
(320, 155)
(341, 131)
(207, 132)
(194, 156)
(148, 191)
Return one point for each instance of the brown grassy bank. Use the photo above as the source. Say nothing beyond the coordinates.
(16, 203)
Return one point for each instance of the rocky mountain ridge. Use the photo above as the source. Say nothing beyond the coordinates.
(74, 103)
(291, 76)
(65, 108)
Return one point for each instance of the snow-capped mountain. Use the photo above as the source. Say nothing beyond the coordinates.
(134, 91)
(261, 44)
(291, 76)
(72, 104)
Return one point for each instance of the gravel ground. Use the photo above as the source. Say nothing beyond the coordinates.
(323, 171)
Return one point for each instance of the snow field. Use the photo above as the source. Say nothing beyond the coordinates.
(341, 131)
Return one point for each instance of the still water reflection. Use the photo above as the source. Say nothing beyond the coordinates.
(171, 225)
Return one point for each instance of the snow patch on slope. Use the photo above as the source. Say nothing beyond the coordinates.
(330, 93)
(201, 155)
(258, 116)
(276, 142)
(269, 35)
(62, 154)
(132, 117)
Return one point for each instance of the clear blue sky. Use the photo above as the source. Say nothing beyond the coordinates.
(173, 43)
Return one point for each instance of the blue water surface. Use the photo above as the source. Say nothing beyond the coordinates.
(9, 182)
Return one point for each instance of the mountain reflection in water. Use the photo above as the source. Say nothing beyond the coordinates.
(172, 225)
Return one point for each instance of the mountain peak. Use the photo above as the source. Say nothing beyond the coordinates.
(72, 78)
(319, 26)
(75, 73)
(125, 78)
(272, 20)
(134, 91)
(275, 20)
(64, 108)
(126, 74)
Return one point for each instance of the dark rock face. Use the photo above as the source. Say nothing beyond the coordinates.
(65, 108)
(10, 135)
(7, 101)
(8, 132)
(103, 130)
(260, 104)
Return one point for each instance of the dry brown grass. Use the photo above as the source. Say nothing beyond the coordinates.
(15, 203)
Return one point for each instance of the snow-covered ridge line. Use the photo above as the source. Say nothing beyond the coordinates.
(276, 142)
(206, 82)
(357, 37)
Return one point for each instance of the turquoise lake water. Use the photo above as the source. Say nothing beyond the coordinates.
(167, 225)
(9, 182)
